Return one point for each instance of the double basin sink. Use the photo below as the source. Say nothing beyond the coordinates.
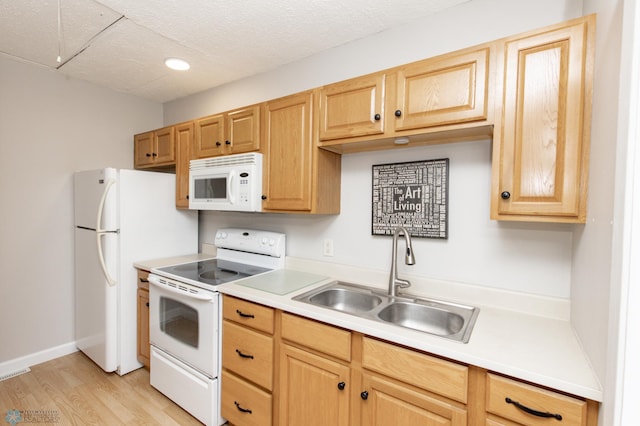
(448, 320)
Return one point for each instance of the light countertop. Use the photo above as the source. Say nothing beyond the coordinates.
(534, 348)
(528, 344)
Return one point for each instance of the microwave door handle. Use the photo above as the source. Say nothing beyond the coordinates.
(232, 176)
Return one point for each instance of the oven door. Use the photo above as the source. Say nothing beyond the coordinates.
(184, 322)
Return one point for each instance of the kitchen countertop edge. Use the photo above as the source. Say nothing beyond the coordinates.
(564, 366)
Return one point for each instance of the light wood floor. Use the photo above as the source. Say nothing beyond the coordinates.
(72, 390)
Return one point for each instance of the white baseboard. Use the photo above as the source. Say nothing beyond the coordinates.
(30, 360)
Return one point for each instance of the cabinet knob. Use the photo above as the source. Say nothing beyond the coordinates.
(227, 142)
(364, 395)
(505, 195)
(218, 143)
(376, 117)
(341, 385)
(398, 113)
(147, 304)
(148, 155)
(154, 154)
(264, 197)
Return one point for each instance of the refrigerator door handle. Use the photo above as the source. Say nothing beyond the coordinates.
(101, 232)
(107, 276)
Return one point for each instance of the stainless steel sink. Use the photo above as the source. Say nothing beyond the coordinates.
(345, 300)
(448, 320)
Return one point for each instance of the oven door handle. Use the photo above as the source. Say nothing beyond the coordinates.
(156, 282)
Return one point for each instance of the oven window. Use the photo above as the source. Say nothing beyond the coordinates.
(179, 321)
(211, 188)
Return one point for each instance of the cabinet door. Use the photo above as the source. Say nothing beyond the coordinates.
(352, 108)
(314, 391)
(289, 153)
(164, 146)
(184, 142)
(447, 90)
(387, 403)
(210, 140)
(541, 152)
(243, 130)
(143, 149)
(143, 327)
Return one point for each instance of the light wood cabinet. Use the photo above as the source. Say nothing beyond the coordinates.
(312, 389)
(387, 402)
(155, 149)
(511, 402)
(232, 132)
(430, 96)
(327, 375)
(247, 362)
(352, 108)
(184, 142)
(298, 177)
(407, 387)
(144, 348)
(541, 148)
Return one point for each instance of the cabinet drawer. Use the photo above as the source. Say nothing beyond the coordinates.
(248, 313)
(244, 404)
(316, 335)
(433, 374)
(143, 279)
(572, 410)
(248, 354)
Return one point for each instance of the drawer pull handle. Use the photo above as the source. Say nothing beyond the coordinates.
(243, 315)
(144, 280)
(244, 410)
(532, 411)
(243, 355)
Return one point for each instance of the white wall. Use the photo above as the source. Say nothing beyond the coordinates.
(531, 258)
(51, 126)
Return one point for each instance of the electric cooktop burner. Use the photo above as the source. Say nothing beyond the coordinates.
(211, 272)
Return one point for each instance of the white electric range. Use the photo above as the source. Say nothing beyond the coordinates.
(185, 317)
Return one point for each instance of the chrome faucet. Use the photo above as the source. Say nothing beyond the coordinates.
(394, 281)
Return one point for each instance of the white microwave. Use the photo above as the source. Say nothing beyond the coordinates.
(227, 183)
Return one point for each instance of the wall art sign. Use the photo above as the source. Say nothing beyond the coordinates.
(413, 194)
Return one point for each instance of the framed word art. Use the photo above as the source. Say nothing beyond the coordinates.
(413, 194)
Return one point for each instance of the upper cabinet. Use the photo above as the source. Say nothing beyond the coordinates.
(426, 97)
(352, 108)
(155, 148)
(232, 132)
(451, 89)
(541, 147)
(298, 177)
(531, 93)
(184, 142)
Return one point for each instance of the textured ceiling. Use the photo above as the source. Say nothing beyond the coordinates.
(122, 44)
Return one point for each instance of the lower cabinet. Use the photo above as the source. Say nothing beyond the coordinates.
(387, 402)
(247, 363)
(313, 389)
(283, 369)
(144, 350)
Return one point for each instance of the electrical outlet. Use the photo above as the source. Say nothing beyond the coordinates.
(327, 247)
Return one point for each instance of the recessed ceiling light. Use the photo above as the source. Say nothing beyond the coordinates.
(177, 64)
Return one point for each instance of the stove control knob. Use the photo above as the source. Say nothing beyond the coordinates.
(272, 242)
(264, 241)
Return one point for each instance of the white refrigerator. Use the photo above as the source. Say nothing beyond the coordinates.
(121, 216)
